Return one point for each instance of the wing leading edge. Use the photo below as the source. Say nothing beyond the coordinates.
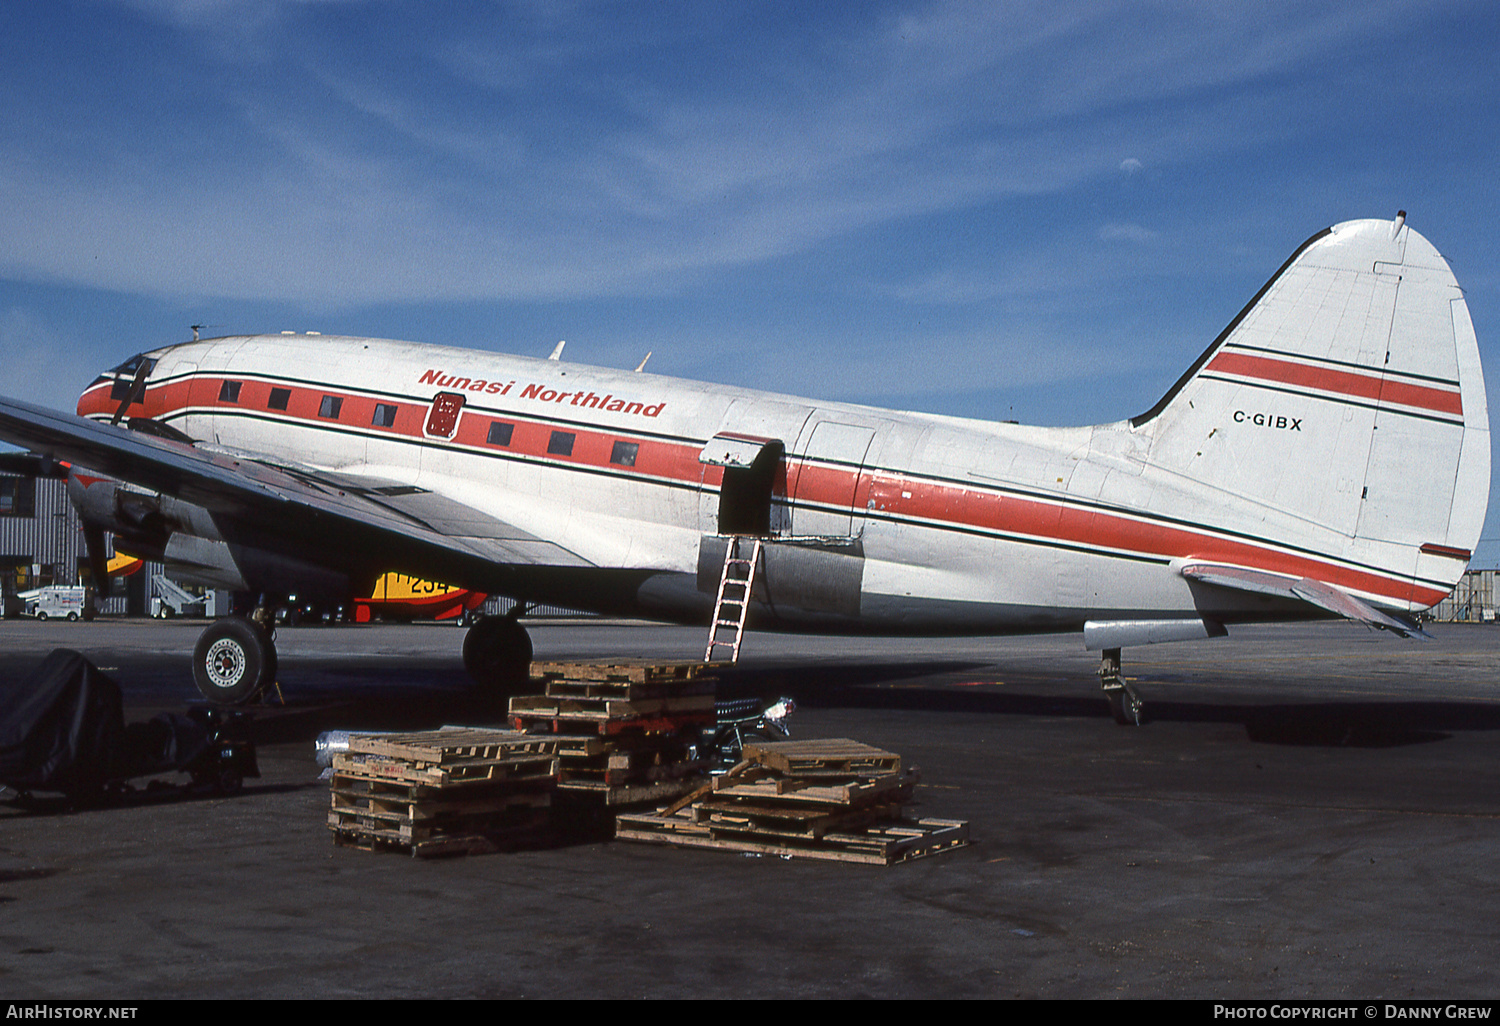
(350, 514)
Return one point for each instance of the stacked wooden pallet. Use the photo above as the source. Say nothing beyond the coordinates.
(451, 791)
(625, 731)
(823, 799)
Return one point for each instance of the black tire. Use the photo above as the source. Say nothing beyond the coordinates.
(1126, 708)
(497, 654)
(234, 661)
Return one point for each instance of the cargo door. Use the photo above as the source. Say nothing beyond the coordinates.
(752, 479)
(829, 476)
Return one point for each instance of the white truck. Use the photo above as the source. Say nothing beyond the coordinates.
(45, 603)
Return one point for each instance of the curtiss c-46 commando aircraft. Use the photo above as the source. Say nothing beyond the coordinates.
(1327, 455)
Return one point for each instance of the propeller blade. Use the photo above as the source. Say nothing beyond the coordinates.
(137, 389)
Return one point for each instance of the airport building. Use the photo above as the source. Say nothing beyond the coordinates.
(41, 542)
(41, 545)
(1473, 601)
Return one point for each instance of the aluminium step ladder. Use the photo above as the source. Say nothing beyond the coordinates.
(732, 605)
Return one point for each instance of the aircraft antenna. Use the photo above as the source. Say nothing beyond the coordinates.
(557, 350)
(643, 363)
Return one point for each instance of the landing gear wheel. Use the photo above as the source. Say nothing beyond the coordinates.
(234, 660)
(497, 653)
(1125, 705)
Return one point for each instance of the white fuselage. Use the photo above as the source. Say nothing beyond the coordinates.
(880, 520)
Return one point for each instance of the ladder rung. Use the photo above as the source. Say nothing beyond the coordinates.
(727, 601)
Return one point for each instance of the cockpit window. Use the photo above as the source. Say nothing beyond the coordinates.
(129, 367)
(138, 367)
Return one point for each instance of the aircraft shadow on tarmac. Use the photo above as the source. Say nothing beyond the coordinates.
(1353, 723)
(390, 697)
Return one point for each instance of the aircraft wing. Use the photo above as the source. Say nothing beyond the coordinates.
(1305, 589)
(330, 514)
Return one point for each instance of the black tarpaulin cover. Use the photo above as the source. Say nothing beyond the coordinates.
(61, 727)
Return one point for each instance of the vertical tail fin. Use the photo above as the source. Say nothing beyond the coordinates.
(1347, 401)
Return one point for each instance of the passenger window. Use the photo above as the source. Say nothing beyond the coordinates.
(561, 443)
(500, 433)
(385, 415)
(330, 407)
(624, 453)
(279, 398)
(229, 392)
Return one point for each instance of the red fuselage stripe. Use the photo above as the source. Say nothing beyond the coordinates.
(830, 486)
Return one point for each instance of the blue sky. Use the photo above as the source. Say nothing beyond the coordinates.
(1040, 211)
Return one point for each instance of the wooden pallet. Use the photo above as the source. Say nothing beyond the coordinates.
(625, 670)
(628, 690)
(631, 792)
(578, 724)
(822, 757)
(412, 818)
(764, 785)
(774, 821)
(883, 845)
(403, 801)
(622, 729)
(634, 768)
(667, 759)
(827, 799)
(448, 746)
(579, 748)
(517, 828)
(382, 767)
(602, 709)
(441, 792)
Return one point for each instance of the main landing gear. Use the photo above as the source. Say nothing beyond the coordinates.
(235, 658)
(497, 652)
(1124, 702)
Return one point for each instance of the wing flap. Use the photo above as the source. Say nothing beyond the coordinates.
(1305, 589)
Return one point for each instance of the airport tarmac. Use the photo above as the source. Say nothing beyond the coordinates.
(1310, 813)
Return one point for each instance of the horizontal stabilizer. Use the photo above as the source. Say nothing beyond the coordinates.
(1103, 634)
(1318, 593)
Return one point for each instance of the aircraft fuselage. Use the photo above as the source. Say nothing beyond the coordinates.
(878, 520)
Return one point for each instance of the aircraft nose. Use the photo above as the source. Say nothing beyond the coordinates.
(95, 398)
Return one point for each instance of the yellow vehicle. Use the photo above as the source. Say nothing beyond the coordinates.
(404, 597)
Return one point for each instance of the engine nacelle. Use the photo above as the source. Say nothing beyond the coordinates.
(134, 516)
(186, 539)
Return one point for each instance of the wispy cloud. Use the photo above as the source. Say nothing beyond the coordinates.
(548, 161)
(1126, 233)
